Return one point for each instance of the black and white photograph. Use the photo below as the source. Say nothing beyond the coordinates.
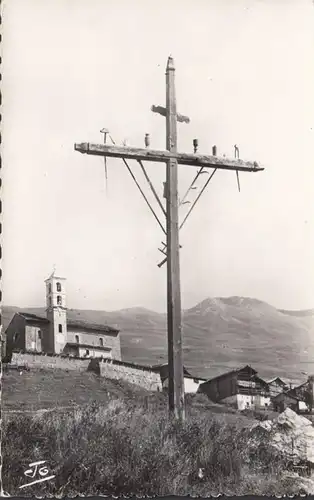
(157, 271)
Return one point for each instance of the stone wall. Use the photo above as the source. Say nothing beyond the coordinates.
(38, 360)
(135, 374)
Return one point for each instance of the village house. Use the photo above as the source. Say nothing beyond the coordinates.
(286, 400)
(302, 389)
(55, 334)
(191, 383)
(240, 388)
(284, 396)
(303, 393)
(277, 386)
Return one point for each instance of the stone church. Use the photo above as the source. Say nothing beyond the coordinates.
(54, 333)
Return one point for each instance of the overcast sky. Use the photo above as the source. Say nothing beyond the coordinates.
(244, 74)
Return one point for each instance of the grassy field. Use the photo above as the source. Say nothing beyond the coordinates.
(107, 437)
(39, 389)
(51, 389)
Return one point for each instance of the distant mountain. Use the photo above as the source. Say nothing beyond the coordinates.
(306, 312)
(219, 334)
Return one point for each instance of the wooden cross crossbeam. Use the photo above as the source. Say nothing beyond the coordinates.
(193, 160)
(171, 248)
(163, 112)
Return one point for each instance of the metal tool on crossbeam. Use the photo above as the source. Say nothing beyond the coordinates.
(105, 131)
(236, 155)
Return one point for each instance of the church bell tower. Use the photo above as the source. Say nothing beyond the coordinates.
(56, 313)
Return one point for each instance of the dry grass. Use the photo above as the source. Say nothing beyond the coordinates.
(128, 446)
(103, 436)
(50, 388)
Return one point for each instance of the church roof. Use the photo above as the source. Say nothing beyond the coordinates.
(33, 317)
(74, 323)
(55, 277)
(79, 323)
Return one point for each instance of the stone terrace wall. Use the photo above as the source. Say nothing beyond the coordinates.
(114, 369)
(135, 374)
(37, 360)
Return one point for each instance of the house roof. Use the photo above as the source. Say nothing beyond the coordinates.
(71, 323)
(231, 372)
(277, 379)
(164, 366)
(88, 346)
(258, 379)
(301, 386)
(298, 392)
(164, 372)
(287, 395)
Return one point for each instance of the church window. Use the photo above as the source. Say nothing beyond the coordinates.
(101, 342)
(77, 340)
(87, 352)
(15, 337)
(60, 328)
(49, 288)
(58, 287)
(39, 334)
(59, 300)
(49, 301)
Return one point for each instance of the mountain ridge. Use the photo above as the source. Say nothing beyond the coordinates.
(219, 334)
(231, 300)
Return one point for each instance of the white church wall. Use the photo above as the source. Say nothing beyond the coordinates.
(91, 337)
(94, 353)
(34, 338)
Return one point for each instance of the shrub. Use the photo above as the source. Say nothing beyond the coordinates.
(129, 446)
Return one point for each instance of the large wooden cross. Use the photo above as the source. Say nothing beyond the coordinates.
(172, 158)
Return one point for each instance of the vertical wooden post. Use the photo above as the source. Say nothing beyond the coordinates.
(175, 359)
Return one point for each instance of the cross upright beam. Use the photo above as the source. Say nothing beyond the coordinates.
(171, 157)
(175, 360)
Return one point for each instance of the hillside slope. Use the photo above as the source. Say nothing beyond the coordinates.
(218, 334)
(58, 389)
